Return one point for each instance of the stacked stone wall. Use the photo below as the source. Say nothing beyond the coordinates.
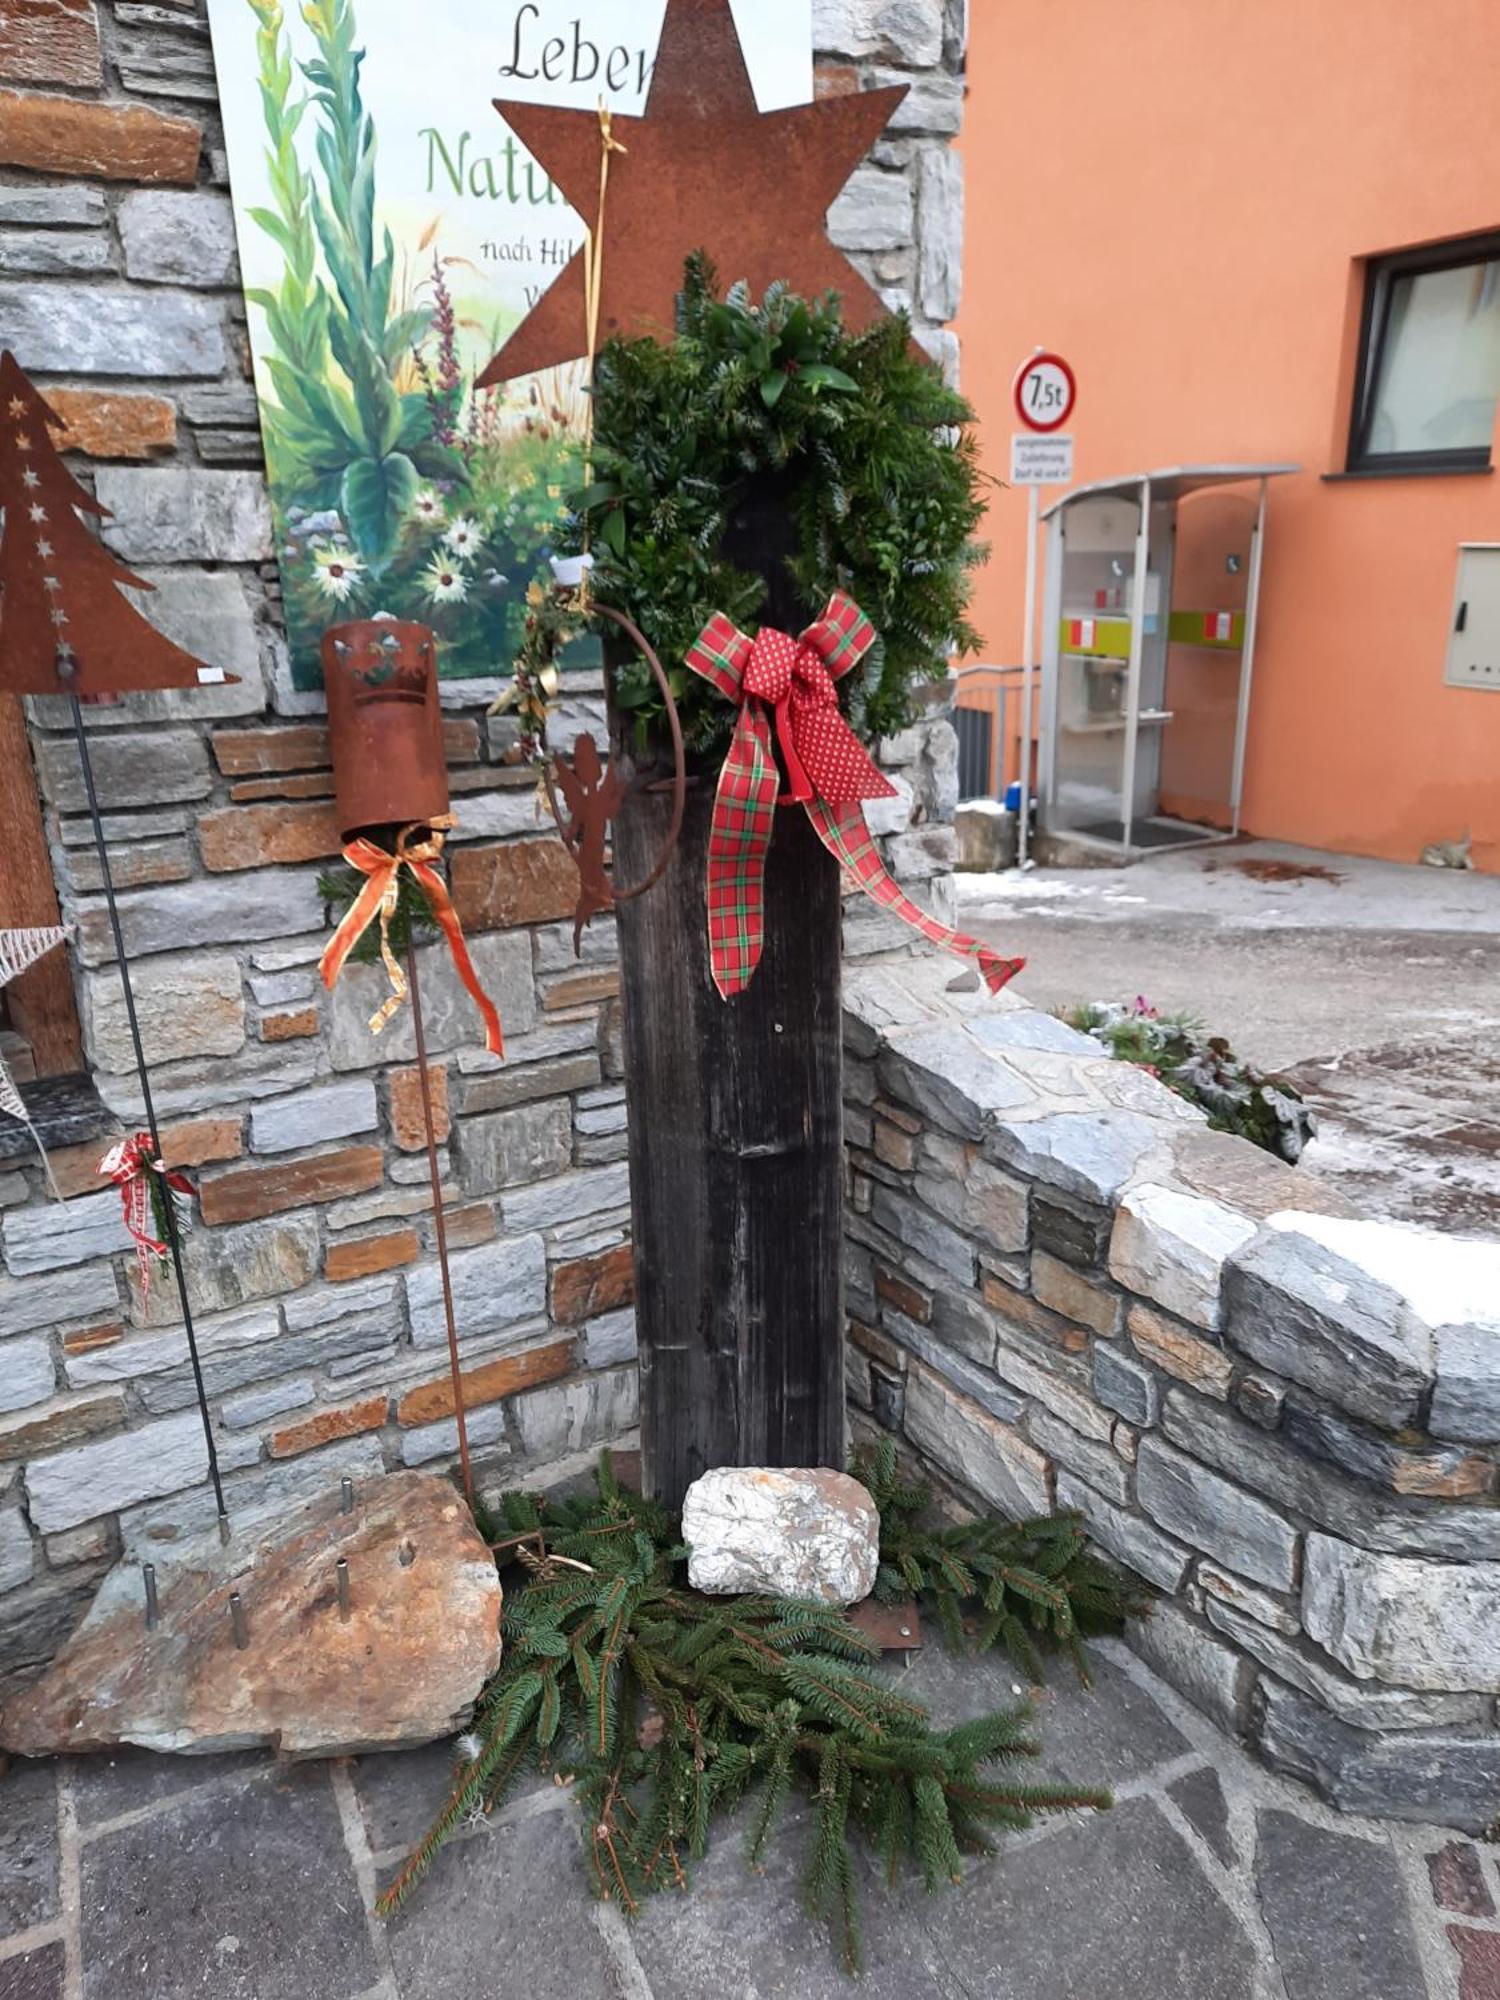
(1066, 1291)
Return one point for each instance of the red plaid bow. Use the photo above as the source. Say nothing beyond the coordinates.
(827, 770)
(130, 1166)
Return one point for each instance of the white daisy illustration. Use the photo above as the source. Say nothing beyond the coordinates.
(338, 573)
(428, 507)
(445, 582)
(462, 538)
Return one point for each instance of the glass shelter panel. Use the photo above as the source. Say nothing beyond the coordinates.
(1211, 570)
(1099, 539)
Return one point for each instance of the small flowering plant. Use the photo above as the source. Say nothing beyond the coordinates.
(1203, 1068)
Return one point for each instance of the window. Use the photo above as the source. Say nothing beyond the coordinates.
(1429, 361)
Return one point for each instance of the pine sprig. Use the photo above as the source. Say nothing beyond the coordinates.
(1027, 1587)
(665, 1708)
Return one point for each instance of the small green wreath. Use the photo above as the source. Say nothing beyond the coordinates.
(883, 471)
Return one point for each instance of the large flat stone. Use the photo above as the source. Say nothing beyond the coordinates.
(1348, 1507)
(966, 1442)
(1089, 1154)
(188, 1005)
(477, 1911)
(58, 1298)
(224, 909)
(421, 1641)
(1403, 1621)
(63, 1233)
(173, 514)
(449, 1016)
(1335, 1906)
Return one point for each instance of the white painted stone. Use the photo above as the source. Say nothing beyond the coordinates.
(496, 1286)
(888, 816)
(1171, 1248)
(45, 1239)
(1402, 1620)
(781, 1534)
(26, 1374)
(876, 211)
(176, 514)
(70, 1487)
(314, 1117)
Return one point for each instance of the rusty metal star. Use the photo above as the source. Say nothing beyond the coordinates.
(704, 169)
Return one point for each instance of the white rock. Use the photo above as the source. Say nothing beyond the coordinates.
(1172, 1247)
(787, 1534)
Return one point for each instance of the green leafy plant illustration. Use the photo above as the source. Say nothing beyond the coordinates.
(398, 487)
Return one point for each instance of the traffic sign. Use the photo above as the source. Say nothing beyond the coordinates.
(1046, 390)
(1040, 461)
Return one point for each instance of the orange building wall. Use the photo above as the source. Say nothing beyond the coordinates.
(1176, 194)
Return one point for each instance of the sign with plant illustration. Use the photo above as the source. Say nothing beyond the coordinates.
(393, 232)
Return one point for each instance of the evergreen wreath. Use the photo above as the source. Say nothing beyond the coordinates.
(885, 491)
(666, 1708)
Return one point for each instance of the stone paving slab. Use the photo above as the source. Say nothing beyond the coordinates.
(253, 1883)
(28, 1850)
(234, 1879)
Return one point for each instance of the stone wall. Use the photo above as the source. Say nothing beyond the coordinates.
(311, 1256)
(1065, 1290)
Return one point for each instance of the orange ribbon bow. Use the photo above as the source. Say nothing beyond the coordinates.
(379, 898)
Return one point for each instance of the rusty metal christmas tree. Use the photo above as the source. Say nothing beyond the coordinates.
(64, 626)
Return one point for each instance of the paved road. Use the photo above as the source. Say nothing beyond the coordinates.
(151, 1879)
(1377, 987)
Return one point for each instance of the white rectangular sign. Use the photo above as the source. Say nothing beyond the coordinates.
(1039, 460)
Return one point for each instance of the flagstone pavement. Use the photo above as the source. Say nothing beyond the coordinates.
(145, 1878)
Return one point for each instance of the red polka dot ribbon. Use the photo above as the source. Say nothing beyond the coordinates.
(828, 771)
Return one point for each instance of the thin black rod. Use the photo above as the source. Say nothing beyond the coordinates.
(169, 1206)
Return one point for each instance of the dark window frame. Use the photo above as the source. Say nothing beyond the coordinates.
(1374, 331)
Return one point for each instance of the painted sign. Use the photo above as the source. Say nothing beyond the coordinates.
(393, 232)
(1046, 390)
(1040, 461)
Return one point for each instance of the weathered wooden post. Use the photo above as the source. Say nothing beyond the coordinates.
(735, 1132)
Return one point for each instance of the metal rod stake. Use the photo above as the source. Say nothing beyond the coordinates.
(441, 1224)
(153, 1609)
(237, 1619)
(343, 1569)
(348, 1496)
(174, 1238)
